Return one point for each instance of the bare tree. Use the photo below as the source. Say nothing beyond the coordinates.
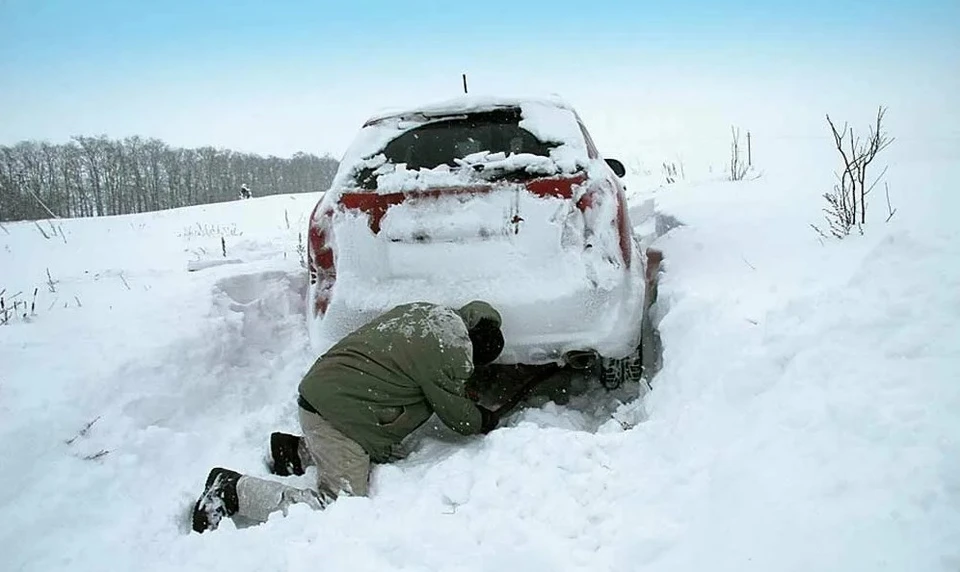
(847, 203)
(96, 176)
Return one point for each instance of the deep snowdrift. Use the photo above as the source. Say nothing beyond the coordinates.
(807, 416)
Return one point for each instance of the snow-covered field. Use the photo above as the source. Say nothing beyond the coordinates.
(807, 416)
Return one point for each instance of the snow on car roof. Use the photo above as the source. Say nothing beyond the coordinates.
(468, 104)
(549, 119)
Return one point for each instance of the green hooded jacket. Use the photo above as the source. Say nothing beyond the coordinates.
(384, 380)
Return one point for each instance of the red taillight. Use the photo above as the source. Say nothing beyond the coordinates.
(322, 253)
(592, 198)
(320, 259)
(560, 187)
(375, 205)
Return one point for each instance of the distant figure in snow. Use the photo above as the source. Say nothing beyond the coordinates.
(360, 400)
(245, 192)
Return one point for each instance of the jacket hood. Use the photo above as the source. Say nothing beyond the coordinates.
(477, 310)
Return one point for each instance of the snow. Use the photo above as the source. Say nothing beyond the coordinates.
(807, 415)
(399, 179)
(550, 120)
(471, 103)
(558, 124)
(440, 322)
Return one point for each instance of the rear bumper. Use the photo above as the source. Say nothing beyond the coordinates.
(541, 322)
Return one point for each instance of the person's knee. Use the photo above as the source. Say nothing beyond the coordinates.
(354, 483)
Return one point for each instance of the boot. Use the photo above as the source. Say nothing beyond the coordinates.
(219, 499)
(285, 452)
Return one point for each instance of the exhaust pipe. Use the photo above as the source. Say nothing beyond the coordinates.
(581, 359)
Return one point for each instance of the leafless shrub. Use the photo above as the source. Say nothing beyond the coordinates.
(40, 228)
(847, 203)
(301, 250)
(96, 456)
(738, 165)
(83, 432)
(637, 169)
(51, 283)
(209, 230)
(11, 307)
(55, 230)
(890, 210)
(670, 173)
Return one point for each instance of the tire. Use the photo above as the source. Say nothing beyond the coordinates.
(614, 372)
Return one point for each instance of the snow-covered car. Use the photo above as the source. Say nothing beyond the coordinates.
(502, 200)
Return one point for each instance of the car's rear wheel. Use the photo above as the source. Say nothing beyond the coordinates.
(646, 360)
(614, 372)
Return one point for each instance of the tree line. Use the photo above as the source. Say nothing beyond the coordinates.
(97, 176)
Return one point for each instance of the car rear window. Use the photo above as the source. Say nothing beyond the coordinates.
(445, 140)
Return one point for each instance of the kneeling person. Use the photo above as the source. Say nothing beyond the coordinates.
(360, 400)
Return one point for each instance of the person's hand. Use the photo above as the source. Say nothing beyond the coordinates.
(488, 419)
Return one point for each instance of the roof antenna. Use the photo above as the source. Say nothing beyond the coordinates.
(464, 83)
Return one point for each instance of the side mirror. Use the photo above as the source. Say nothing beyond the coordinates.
(617, 167)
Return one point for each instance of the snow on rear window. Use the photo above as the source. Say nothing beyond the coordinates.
(545, 141)
(553, 124)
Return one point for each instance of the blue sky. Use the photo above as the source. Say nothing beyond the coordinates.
(275, 77)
